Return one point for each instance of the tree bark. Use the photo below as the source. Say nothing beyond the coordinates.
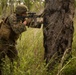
(57, 30)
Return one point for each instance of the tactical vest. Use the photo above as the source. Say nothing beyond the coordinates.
(5, 30)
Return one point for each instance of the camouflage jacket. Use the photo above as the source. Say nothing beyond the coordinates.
(16, 26)
(33, 24)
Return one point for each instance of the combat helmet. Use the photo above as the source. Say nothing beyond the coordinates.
(20, 9)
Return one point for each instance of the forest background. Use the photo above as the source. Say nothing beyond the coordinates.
(30, 44)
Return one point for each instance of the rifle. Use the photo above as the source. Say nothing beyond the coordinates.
(34, 16)
(30, 15)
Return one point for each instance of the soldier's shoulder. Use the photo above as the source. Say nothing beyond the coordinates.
(12, 16)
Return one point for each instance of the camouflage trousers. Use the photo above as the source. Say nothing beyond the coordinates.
(9, 51)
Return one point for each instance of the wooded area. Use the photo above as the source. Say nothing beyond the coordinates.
(51, 49)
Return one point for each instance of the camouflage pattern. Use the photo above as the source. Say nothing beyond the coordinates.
(21, 9)
(33, 24)
(7, 46)
(17, 26)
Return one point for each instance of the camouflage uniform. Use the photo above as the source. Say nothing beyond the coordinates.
(7, 46)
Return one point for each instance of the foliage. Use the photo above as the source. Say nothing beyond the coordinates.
(35, 5)
(8, 6)
(70, 68)
(75, 3)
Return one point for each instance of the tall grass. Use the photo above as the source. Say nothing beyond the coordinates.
(31, 51)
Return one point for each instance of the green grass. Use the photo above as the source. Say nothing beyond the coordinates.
(31, 51)
(74, 39)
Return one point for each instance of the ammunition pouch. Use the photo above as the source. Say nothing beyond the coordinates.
(5, 31)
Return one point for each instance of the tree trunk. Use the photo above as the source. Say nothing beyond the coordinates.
(4, 7)
(11, 6)
(58, 29)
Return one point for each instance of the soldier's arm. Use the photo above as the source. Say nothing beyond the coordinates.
(33, 24)
(17, 27)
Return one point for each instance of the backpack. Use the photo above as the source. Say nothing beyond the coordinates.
(5, 30)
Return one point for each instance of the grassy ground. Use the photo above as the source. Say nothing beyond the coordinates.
(31, 52)
(74, 37)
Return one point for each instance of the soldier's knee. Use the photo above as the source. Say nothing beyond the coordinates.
(12, 54)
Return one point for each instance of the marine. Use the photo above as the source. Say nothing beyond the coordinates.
(10, 31)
